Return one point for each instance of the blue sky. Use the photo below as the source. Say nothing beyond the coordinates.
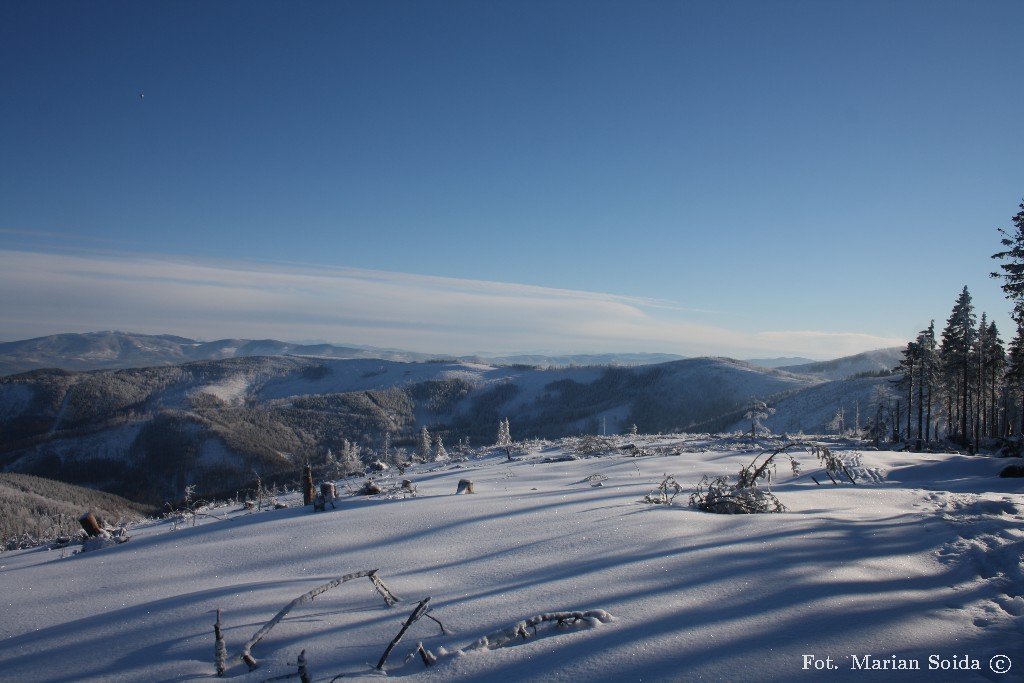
(727, 178)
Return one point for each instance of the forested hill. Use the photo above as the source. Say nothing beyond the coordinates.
(875, 362)
(43, 508)
(146, 433)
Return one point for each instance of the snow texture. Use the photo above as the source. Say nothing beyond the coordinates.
(920, 561)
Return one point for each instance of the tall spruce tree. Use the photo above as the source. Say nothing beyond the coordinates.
(1015, 383)
(995, 362)
(908, 369)
(956, 354)
(927, 375)
(1012, 267)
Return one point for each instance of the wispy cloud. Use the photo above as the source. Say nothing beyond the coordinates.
(45, 292)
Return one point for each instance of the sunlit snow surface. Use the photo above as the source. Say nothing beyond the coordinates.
(921, 558)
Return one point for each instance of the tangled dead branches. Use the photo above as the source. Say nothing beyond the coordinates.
(666, 492)
(719, 496)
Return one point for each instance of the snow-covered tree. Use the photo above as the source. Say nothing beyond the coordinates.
(504, 434)
(330, 464)
(423, 445)
(838, 422)
(757, 413)
(350, 456)
(440, 454)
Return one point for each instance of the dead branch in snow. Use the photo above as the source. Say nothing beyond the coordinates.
(246, 655)
(426, 655)
(385, 592)
(667, 491)
(220, 651)
(530, 627)
(418, 611)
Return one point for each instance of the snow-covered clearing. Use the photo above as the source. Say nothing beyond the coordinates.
(918, 564)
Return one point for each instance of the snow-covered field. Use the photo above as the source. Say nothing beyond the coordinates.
(919, 564)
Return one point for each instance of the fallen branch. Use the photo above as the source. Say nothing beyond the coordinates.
(389, 598)
(589, 619)
(246, 655)
(417, 612)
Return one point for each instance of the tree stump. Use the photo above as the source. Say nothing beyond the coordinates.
(328, 492)
(370, 489)
(92, 526)
(307, 485)
(465, 486)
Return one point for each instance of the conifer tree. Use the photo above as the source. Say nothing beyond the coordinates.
(1012, 267)
(423, 445)
(995, 361)
(1015, 381)
(504, 434)
(908, 368)
(440, 453)
(955, 355)
(927, 373)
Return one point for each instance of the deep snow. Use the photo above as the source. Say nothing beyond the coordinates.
(921, 558)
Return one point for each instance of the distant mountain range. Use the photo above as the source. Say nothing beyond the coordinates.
(112, 350)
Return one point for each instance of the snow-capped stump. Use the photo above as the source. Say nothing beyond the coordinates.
(465, 486)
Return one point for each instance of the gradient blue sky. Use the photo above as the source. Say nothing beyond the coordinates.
(728, 178)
